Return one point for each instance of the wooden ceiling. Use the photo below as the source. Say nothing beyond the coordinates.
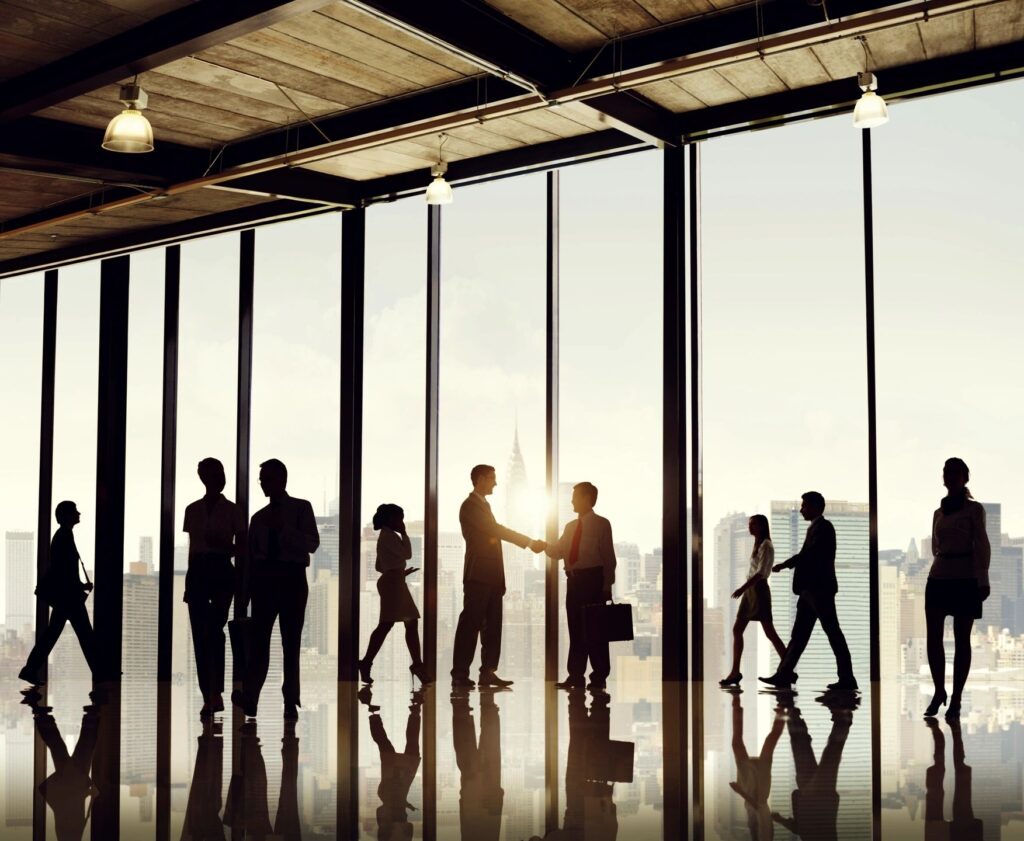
(350, 94)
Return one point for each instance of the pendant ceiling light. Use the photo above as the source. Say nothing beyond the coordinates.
(130, 131)
(439, 191)
(870, 110)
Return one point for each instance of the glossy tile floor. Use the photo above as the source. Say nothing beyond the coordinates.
(767, 766)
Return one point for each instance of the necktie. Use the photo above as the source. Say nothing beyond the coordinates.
(574, 550)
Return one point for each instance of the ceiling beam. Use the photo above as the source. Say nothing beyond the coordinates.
(635, 114)
(164, 39)
(301, 185)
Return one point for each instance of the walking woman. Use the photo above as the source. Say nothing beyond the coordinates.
(957, 582)
(396, 604)
(755, 598)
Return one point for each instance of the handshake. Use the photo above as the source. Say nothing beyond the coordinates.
(537, 546)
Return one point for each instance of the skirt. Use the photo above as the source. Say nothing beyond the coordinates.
(953, 597)
(396, 604)
(756, 603)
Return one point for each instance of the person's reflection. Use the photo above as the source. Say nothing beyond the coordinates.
(589, 808)
(754, 773)
(815, 800)
(246, 810)
(964, 826)
(397, 770)
(202, 814)
(481, 796)
(66, 789)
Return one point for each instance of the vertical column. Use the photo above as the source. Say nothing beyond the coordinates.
(353, 249)
(430, 515)
(243, 417)
(45, 516)
(110, 494)
(165, 610)
(873, 617)
(551, 623)
(674, 591)
(696, 493)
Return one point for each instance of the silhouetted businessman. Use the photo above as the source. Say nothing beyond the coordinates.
(586, 545)
(814, 581)
(397, 770)
(202, 813)
(281, 537)
(481, 797)
(63, 590)
(216, 533)
(67, 788)
(483, 582)
(964, 826)
(754, 773)
(815, 799)
(590, 811)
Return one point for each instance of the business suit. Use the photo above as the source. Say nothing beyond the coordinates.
(483, 586)
(814, 581)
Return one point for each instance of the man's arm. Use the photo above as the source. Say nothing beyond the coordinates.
(474, 518)
(307, 525)
(607, 549)
(558, 549)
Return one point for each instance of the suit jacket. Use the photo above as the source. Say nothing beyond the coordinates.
(815, 564)
(61, 583)
(290, 544)
(483, 534)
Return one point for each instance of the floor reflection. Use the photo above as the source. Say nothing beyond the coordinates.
(397, 770)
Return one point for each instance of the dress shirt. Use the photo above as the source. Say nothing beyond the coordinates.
(213, 528)
(960, 544)
(393, 550)
(291, 542)
(596, 547)
(761, 560)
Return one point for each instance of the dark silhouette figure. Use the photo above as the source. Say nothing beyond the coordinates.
(483, 583)
(396, 603)
(481, 796)
(756, 598)
(957, 582)
(247, 811)
(815, 799)
(397, 770)
(589, 561)
(754, 773)
(964, 826)
(590, 811)
(202, 813)
(70, 785)
(216, 533)
(814, 581)
(281, 537)
(63, 590)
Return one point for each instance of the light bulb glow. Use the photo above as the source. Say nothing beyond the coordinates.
(129, 132)
(870, 111)
(439, 191)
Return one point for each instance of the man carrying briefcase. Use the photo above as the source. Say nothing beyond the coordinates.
(589, 561)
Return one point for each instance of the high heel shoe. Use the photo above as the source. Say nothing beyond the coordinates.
(364, 670)
(732, 680)
(953, 710)
(938, 700)
(420, 672)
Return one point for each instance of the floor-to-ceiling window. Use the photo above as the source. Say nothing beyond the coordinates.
(784, 412)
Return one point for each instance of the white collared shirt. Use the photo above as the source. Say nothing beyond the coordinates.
(596, 547)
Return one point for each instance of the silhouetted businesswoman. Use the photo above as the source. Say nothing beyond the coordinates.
(216, 533)
(481, 797)
(63, 590)
(483, 582)
(814, 581)
(281, 537)
(589, 560)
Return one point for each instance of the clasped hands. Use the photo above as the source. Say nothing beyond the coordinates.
(537, 546)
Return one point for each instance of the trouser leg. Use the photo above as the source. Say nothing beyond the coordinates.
(198, 608)
(471, 620)
(293, 616)
(802, 627)
(78, 616)
(217, 619)
(41, 650)
(596, 646)
(576, 661)
(264, 613)
(825, 607)
(490, 634)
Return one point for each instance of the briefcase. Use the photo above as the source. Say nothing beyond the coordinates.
(609, 761)
(608, 622)
(240, 631)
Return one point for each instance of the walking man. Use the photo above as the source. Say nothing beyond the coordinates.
(814, 581)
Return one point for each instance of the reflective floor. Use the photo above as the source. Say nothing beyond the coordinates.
(531, 762)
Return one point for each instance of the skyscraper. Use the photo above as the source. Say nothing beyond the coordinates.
(20, 581)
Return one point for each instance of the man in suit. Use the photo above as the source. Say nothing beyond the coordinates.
(483, 583)
(814, 581)
(589, 560)
(282, 536)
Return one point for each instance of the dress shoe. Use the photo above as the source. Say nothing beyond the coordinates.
(598, 683)
(364, 671)
(938, 700)
(492, 680)
(571, 683)
(463, 683)
(779, 681)
(843, 685)
(731, 680)
(291, 712)
(29, 676)
(240, 699)
(419, 671)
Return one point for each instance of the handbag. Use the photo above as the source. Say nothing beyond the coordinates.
(608, 622)
(609, 761)
(54, 596)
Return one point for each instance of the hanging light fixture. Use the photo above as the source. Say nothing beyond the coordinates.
(870, 110)
(130, 131)
(439, 191)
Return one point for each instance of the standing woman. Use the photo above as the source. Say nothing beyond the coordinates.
(957, 582)
(755, 598)
(396, 604)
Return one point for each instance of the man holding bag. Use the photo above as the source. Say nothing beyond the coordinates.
(589, 562)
